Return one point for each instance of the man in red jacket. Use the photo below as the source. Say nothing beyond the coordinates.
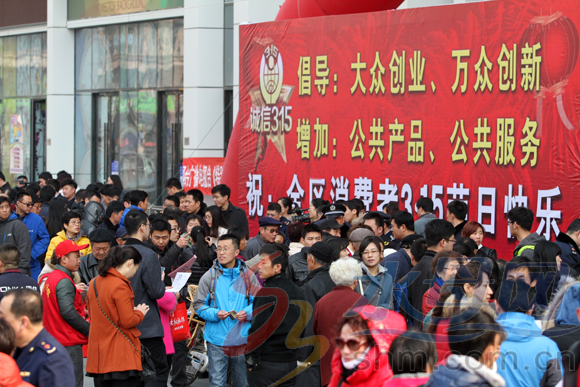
(329, 309)
(63, 307)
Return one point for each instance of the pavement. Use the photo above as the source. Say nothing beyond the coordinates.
(198, 383)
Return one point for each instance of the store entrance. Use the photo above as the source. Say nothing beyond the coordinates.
(170, 137)
(105, 149)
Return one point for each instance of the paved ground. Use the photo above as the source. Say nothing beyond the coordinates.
(197, 383)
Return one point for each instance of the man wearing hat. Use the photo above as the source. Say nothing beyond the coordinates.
(269, 229)
(317, 284)
(331, 226)
(63, 307)
(355, 237)
(101, 239)
(121, 236)
(336, 211)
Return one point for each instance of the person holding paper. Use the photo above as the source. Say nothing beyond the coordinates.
(224, 300)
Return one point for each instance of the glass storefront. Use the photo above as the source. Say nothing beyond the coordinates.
(22, 105)
(123, 76)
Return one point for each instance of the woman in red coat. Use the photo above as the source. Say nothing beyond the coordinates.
(444, 266)
(111, 359)
(361, 356)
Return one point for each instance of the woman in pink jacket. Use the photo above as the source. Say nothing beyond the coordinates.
(167, 304)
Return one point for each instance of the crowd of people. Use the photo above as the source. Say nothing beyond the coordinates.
(336, 296)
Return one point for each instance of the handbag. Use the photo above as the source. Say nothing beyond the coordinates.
(148, 373)
(179, 323)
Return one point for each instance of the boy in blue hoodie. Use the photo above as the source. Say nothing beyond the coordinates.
(526, 358)
(224, 300)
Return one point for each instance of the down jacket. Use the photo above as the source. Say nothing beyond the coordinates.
(464, 371)
(385, 325)
(61, 236)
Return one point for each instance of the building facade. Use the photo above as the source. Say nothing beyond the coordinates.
(128, 87)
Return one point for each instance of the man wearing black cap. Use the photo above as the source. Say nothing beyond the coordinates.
(331, 226)
(100, 243)
(336, 211)
(317, 285)
(269, 229)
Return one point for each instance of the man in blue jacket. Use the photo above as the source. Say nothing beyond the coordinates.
(139, 201)
(526, 358)
(224, 300)
(39, 238)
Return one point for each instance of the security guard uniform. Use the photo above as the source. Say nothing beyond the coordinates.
(44, 362)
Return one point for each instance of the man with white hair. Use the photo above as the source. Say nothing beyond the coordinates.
(329, 309)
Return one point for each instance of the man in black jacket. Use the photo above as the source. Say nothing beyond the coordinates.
(235, 217)
(112, 216)
(10, 276)
(440, 236)
(568, 243)
(317, 284)
(297, 270)
(272, 350)
(14, 231)
(100, 245)
(148, 288)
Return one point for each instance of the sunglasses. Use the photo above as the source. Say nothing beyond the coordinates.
(124, 239)
(352, 344)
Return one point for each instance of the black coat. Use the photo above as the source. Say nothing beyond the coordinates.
(236, 218)
(570, 253)
(419, 281)
(297, 269)
(564, 335)
(269, 336)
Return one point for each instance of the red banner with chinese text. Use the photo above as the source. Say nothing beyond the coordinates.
(202, 173)
(471, 101)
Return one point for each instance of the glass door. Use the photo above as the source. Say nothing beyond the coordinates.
(105, 148)
(171, 137)
(38, 140)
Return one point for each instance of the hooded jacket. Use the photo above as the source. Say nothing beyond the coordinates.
(527, 358)
(464, 371)
(39, 239)
(560, 321)
(15, 231)
(526, 246)
(233, 289)
(125, 212)
(92, 214)
(80, 240)
(375, 370)
(377, 289)
(570, 253)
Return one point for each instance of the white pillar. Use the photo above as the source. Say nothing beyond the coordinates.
(203, 82)
(60, 85)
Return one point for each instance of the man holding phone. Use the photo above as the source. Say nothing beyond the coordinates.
(224, 300)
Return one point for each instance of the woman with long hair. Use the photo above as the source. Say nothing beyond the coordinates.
(547, 254)
(214, 224)
(114, 349)
(116, 181)
(56, 209)
(286, 204)
(205, 255)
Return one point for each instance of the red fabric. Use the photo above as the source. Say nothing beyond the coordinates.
(430, 298)
(406, 382)
(52, 319)
(375, 370)
(9, 373)
(327, 314)
(442, 341)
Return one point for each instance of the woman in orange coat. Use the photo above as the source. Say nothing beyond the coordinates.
(111, 359)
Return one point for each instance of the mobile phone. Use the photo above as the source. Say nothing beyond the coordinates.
(162, 268)
(184, 234)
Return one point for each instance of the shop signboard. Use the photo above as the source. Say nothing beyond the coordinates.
(202, 173)
(82, 9)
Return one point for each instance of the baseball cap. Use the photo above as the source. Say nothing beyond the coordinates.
(66, 247)
(121, 232)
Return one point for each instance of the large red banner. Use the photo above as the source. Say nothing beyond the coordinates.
(202, 173)
(477, 102)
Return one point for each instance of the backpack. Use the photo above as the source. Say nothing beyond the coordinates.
(213, 284)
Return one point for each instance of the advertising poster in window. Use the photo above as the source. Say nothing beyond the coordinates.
(16, 144)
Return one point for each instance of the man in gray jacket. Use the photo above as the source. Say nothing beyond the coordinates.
(148, 287)
(425, 212)
(15, 232)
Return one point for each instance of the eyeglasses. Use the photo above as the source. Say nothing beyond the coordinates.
(452, 268)
(74, 223)
(352, 344)
(224, 249)
(451, 241)
(27, 204)
(369, 253)
(272, 230)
